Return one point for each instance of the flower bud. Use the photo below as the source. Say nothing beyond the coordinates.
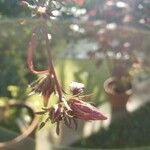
(76, 88)
(85, 111)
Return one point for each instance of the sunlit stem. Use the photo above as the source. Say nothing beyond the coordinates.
(50, 63)
(51, 66)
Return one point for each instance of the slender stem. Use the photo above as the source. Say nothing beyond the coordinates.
(51, 68)
(50, 63)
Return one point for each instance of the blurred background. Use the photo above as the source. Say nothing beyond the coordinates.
(101, 43)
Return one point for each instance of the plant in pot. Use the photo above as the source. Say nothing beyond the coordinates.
(119, 88)
(119, 57)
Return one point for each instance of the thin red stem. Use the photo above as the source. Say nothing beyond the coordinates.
(59, 90)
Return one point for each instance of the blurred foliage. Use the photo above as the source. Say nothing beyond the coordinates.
(13, 40)
(17, 119)
(11, 8)
(13, 90)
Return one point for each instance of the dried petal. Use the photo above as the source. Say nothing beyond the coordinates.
(56, 113)
(44, 86)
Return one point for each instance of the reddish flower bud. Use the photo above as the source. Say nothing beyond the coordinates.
(85, 111)
(76, 88)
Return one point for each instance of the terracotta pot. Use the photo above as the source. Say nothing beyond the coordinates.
(117, 100)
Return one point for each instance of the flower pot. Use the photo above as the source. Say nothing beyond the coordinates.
(118, 101)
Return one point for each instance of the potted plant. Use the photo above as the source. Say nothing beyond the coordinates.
(120, 58)
(119, 89)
